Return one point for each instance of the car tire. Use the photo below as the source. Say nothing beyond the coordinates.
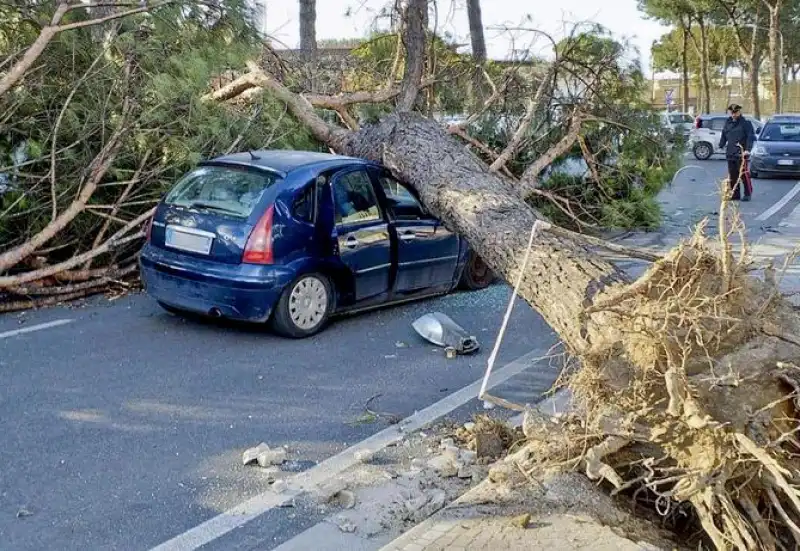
(703, 151)
(298, 314)
(476, 275)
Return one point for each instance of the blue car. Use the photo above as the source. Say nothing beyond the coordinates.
(294, 237)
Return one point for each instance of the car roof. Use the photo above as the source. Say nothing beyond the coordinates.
(284, 161)
(785, 117)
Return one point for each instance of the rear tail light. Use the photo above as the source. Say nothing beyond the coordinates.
(698, 123)
(149, 229)
(258, 249)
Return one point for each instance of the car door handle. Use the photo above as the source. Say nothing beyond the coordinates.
(351, 242)
(407, 236)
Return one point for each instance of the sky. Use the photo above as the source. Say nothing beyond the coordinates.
(552, 16)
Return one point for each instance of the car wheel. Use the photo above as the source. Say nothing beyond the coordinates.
(477, 274)
(703, 151)
(304, 307)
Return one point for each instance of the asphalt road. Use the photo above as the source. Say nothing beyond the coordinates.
(124, 426)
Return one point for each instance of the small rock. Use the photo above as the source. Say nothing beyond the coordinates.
(401, 344)
(418, 463)
(329, 490)
(453, 452)
(24, 512)
(270, 473)
(498, 474)
(464, 472)
(447, 442)
(469, 426)
(468, 457)
(346, 499)
(250, 455)
(363, 456)
(280, 486)
(521, 521)
(443, 465)
(345, 525)
(415, 504)
(271, 457)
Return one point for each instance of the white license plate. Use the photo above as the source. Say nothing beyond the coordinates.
(785, 161)
(187, 239)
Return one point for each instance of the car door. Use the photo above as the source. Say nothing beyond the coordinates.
(362, 233)
(427, 252)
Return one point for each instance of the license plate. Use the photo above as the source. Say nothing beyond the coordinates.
(187, 239)
(785, 162)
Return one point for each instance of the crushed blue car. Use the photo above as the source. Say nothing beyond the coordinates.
(294, 237)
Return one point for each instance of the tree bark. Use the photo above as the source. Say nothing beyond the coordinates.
(562, 277)
(685, 30)
(415, 24)
(755, 65)
(308, 27)
(704, 62)
(775, 53)
(478, 51)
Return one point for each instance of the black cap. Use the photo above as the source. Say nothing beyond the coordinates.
(734, 107)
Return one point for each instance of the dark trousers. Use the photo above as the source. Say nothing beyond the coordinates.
(735, 169)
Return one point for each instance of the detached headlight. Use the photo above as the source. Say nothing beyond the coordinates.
(759, 151)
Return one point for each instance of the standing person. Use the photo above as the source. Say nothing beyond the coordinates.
(737, 139)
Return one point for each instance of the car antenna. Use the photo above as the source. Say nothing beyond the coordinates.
(253, 156)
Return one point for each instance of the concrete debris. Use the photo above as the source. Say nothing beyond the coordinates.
(264, 455)
(422, 507)
(270, 474)
(280, 486)
(328, 490)
(447, 442)
(468, 457)
(345, 525)
(346, 499)
(465, 472)
(470, 426)
(24, 512)
(364, 456)
(443, 465)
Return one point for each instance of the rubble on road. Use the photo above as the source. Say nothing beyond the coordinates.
(264, 455)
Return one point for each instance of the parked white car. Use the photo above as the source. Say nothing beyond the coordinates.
(704, 137)
(680, 123)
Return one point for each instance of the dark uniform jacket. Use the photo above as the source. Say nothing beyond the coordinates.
(737, 133)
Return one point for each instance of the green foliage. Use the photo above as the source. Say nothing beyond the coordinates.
(159, 64)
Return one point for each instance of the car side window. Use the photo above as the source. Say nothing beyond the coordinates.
(402, 203)
(304, 205)
(354, 198)
(717, 123)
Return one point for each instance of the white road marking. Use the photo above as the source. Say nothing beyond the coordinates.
(33, 328)
(780, 204)
(243, 513)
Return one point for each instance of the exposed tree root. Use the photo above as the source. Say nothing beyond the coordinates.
(697, 401)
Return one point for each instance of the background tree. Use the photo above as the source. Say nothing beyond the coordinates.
(775, 51)
(478, 49)
(308, 26)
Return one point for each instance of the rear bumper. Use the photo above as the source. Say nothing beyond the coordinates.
(238, 292)
(770, 165)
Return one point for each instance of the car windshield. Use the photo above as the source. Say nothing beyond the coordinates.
(678, 118)
(781, 132)
(228, 190)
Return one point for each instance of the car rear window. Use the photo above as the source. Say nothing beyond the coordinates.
(228, 190)
(680, 118)
(781, 131)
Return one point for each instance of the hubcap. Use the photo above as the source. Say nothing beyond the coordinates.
(308, 303)
(702, 150)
